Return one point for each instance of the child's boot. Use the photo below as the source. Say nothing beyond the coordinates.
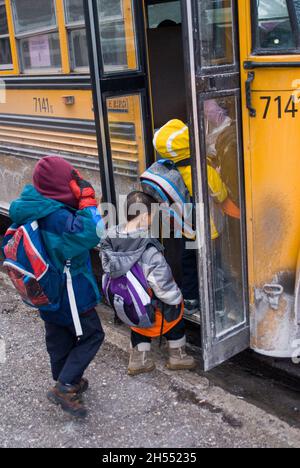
(140, 361)
(82, 387)
(66, 397)
(178, 357)
(191, 307)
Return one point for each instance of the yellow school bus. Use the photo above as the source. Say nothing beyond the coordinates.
(93, 80)
(46, 98)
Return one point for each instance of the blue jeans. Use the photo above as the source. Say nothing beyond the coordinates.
(69, 357)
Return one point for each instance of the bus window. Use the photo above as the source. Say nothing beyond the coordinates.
(118, 37)
(5, 50)
(224, 189)
(216, 32)
(36, 31)
(127, 141)
(161, 13)
(77, 35)
(274, 29)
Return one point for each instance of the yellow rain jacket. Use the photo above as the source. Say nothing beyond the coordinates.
(172, 142)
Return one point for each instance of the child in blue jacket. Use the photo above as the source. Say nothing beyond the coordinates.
(66, 208)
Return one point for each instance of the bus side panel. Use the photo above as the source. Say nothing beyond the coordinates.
(272, 166)
(38, 122)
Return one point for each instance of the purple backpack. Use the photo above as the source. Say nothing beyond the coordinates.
(130, 297)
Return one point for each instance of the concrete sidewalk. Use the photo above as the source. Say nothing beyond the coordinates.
(158, 410)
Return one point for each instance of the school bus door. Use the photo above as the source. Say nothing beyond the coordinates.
(270, 62)
(119, 72)
(213, 78)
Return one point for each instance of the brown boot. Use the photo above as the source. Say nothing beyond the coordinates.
(68, 399)
(178, 357)
(140, 361)
(82, 387)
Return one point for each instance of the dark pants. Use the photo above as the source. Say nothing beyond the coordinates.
(190, 284)
(69, 356)
(177, 333)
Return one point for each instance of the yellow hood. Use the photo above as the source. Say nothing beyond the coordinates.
(172, 141)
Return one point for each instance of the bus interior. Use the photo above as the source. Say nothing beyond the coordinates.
(166, 61)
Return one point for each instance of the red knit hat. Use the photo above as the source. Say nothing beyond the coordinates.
(51, 178)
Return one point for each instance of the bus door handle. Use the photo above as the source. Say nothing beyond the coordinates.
(251, 77)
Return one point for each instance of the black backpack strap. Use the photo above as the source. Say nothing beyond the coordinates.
(162, 327)
(184, 163)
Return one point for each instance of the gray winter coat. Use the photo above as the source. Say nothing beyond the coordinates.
(121, 251)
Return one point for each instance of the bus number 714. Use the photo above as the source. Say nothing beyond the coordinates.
(288, 107)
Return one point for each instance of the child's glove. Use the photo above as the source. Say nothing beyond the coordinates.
(83, 191)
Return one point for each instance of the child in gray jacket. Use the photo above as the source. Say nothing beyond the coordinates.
(122, 248)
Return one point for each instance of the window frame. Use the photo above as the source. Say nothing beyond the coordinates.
(35, 33)
(74, 26)
(213, 69)
(257, 50)
(202, 98)
(141, 94)
(6, 66)
(107, 70)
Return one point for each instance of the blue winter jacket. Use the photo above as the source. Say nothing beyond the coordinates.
(68, 235)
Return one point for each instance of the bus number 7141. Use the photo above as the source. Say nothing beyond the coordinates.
(42, 106)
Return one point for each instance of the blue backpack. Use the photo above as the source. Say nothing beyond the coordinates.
(36, 279)
(163, 182)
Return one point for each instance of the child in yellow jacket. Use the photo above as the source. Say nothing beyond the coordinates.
(172, 142)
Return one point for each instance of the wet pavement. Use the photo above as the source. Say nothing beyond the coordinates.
(246, 377)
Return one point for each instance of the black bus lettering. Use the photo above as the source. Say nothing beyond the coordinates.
(42, 106)
(290, 106)
(279, 102)
(268, 99)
